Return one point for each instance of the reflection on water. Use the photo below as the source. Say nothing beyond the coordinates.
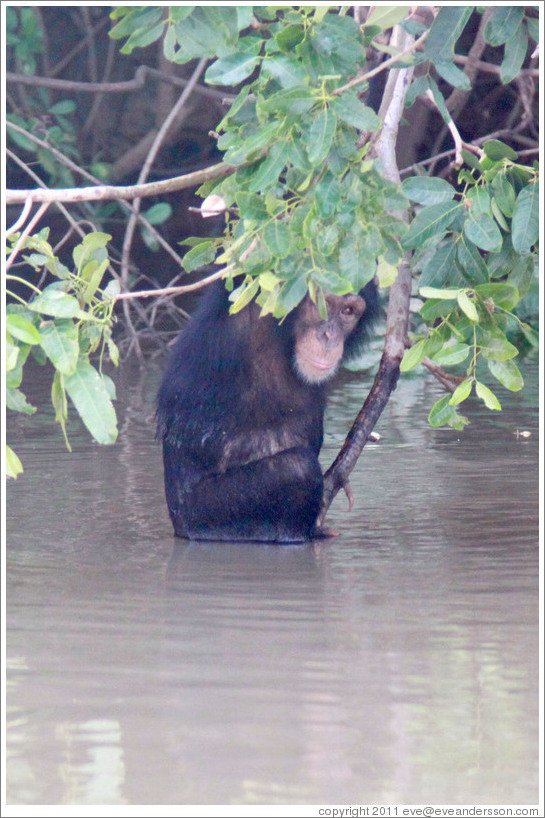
(396, 664)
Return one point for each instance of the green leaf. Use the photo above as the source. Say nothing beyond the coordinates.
(320, 136)
(158, 213)
(483, 231)
(497, 150)
(503, 295)
(386, 16)
(445, 31)
(471, 261)
(244, 295)
(143, 37)
(441, 267)
(134, 18)
(507, 373)
(525, 225)
(60, 404)
(13, 464)
(348, 108)
(198, 256)
(17, 402)
(431, 221)
(267, 172)
(236, 67)
(89, 395)
(268, 281)
(386, 272)
(93, 279)
(452, 354)
(503, 24)
(288, 72)
(494, 346)
(328, 239)
(427, 190)
(277, 237)
(242, 150)
(12, 354)
(64, 106)
(295, 100)
(291, 294)
(22, 329)
(486, 395)
(414, 355)
(251, 206)
(452, 74)
(56, 303)
(467, 306)
(515, 47)
(479, 202)
(336, 45)
(328, 194)
(357, 258)
(60, 342)
(504, 194)
(289, 36)
(435, 292)
(498, 215)
(462, 392)
(89, 247)
(443, 414)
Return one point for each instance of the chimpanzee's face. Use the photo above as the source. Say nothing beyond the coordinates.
(319, 344)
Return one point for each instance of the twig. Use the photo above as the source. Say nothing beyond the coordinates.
(21, 220)
(490, 68)
(450, 382)
(458, 159)
(174, 114)
(187, 288)
(383, 65)
(19, 243)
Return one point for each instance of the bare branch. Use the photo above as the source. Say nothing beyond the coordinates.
(122, 87)
(175, 114)
(103, 192)
(187, 288)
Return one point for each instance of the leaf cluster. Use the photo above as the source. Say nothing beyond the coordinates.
(64, 323)
(476, 249)
(306, 211)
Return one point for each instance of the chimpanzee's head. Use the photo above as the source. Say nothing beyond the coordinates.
(319, 344)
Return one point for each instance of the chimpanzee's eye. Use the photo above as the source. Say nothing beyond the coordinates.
(348, 310)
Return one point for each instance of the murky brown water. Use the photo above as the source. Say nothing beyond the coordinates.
(397, 664)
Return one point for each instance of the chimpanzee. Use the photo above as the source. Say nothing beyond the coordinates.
(240, 413)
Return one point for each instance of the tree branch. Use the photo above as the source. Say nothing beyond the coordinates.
(385, 381)
(64, 160)
(122, 87)
(102, 192)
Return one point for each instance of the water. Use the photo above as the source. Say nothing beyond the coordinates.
(396, 664)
